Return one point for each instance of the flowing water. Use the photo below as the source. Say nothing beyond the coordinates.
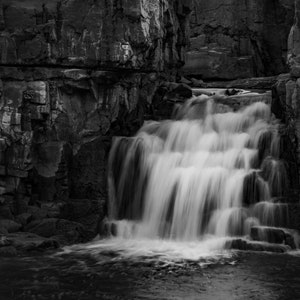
(180, 188)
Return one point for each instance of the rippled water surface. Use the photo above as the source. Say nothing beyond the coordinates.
(78, 274)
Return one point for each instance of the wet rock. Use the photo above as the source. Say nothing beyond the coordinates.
(54, 210)
(198, 83)
(71, 231)
(185, 80)
(179, 91)
(273, 235)
(212, 64)
(245, 245)
(167, 95)
(44, 227)
(24, 241)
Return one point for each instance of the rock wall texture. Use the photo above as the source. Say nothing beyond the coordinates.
(286, 107)
(73, 74)
(134, 34)
(233, 39)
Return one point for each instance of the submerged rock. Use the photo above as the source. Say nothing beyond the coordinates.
(273, 235)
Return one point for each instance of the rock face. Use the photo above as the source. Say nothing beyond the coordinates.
(73, 74)
(135, 34)
(286, 95)
(238, 39)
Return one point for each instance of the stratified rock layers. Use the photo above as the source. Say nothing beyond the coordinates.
(238, 39)
(73, 74)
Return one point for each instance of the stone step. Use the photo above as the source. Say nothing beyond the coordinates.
(275, 235)
(247, 245)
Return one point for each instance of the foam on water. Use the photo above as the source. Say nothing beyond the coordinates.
(155, 250)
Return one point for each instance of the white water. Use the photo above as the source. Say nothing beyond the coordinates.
(186, 179)
(179, 189)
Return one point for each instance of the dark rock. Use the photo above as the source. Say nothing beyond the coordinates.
(37, 213)
(295, 71)
(166, 97)
(43, 227)
(245, 245)
(185, 80)
(274, 235)
(5, 212)
(71, 231)
(24, 218)
(10, 225)
(24, 241)
(8, 251)
(198, 83)
(4, 241)
(235, 40)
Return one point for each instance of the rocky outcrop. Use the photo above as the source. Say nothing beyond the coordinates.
(285, 106)
(130, 34)
(73, 74)
(239, 39)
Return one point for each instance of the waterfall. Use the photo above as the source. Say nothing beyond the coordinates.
(208, 172)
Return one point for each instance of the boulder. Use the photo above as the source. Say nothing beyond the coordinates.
(198, 83)
(24, 241)
(72, 232)
(273, 235)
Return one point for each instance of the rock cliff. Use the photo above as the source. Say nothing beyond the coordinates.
(73, 74)
(238, 39)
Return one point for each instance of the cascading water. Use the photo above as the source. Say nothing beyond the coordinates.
(203, 174)
(189, 188)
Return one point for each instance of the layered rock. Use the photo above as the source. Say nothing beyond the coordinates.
(239, 39)
(125, 33)
(73, 74)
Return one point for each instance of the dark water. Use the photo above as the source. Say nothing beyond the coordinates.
(242, 276)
